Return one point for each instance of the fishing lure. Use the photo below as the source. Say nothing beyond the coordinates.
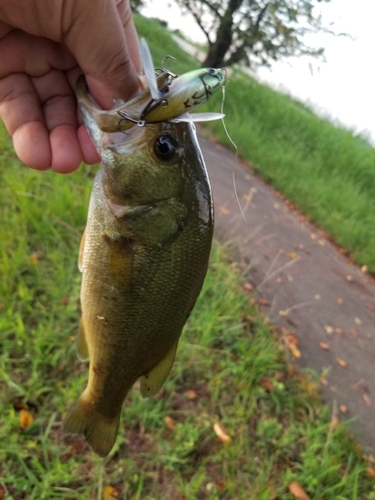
(168, 97)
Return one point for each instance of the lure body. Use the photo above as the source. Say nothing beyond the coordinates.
(177, 95)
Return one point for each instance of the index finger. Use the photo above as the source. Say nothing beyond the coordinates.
(104, 42)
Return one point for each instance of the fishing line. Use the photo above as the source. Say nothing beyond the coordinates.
(238, 201)
(223, 90)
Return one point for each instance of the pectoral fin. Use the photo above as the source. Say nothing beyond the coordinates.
(81, 251)
(82, 347)
(153, 381)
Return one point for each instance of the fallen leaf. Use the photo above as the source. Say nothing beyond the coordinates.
(322, 243)
(349, 278)
(267, 384)
(339, 331)
(367, 400)
(191, 394)
(2, 492)
(279, 280)
(324, 346)
(283, 313)
(340, 301)
(353, 332)
(297, 490)
(341, 362)
(34, 259)
(364, 269)
(323, 380)
(292, 255)
(224, 210)
(358, 321)
(296, 352)
(220, 485)
(292, 339)
(26, 419)
(328, 329)
(343, 409)
(248, 287)
(169, 422)
(370, 471)
(109, 492)
(246, 197)
(221, 433)
(313, 236)
(263, 302)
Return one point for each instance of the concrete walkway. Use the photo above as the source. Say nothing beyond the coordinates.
(305, 285)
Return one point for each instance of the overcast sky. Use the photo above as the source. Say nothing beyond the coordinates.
(343, 87)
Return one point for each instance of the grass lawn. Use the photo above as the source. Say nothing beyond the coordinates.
(234, 420)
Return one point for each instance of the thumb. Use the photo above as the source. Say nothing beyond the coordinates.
(102, 38)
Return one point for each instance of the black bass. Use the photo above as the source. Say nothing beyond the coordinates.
(143, 257)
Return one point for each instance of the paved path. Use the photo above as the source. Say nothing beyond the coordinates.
(305, 285)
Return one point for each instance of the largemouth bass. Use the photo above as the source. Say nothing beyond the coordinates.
(143, 257)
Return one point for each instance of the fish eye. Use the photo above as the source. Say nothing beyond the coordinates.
(164, 148)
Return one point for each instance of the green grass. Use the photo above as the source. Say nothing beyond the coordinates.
(231, 367)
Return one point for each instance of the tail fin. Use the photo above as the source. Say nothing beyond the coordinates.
(99, 431)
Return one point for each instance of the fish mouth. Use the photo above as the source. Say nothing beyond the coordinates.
(126, 141)
(128, 208)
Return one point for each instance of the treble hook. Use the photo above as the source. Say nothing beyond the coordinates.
(125, 117)
(173, 75)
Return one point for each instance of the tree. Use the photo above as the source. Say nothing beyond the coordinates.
(255, 32)
(136, 5)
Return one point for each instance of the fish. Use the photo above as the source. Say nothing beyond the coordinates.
(143, 257)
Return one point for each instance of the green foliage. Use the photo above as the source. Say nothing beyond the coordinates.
(255, 32)
(136, 5)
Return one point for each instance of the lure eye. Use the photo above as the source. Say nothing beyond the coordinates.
(164, 148)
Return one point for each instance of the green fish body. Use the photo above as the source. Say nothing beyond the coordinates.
(143, 257)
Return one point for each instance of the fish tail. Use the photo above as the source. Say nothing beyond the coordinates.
(99, 431)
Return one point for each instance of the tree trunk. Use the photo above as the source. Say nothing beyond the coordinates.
(218, 49)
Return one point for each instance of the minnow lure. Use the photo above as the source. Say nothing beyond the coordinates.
(167, 97)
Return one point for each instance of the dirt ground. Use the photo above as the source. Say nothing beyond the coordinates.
(304, 284)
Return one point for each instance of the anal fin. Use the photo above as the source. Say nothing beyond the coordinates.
(153, 381)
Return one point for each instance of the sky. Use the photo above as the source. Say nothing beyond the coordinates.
(343, 87)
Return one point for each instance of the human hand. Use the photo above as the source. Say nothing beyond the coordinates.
(44, 46)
